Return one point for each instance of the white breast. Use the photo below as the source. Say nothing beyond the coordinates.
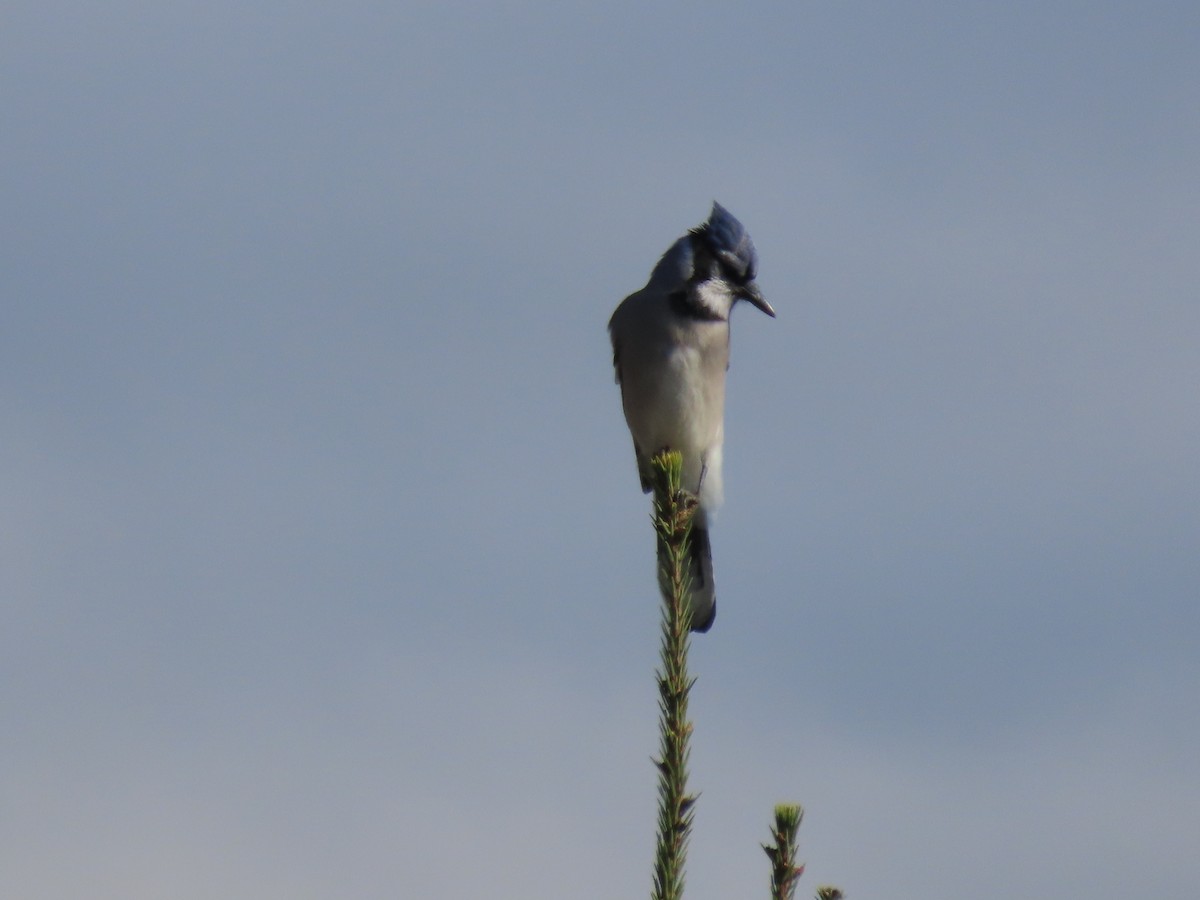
(683, 410)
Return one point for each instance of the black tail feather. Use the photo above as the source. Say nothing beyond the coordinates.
(700, 577)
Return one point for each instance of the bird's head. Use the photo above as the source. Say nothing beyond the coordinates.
(723, 252)
(710, 268)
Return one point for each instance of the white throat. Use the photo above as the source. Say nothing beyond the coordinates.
(714, 295)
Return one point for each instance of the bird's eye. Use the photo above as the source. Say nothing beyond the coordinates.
(738, 276)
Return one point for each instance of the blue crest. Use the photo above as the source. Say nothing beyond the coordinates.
(730, 243)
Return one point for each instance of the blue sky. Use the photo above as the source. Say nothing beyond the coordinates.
(325, 571)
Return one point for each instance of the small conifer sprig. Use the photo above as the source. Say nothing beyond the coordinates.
(784, 871)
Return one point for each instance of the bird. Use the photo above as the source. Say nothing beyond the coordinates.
(670, 344)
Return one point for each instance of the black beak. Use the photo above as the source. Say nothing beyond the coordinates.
(751, 292)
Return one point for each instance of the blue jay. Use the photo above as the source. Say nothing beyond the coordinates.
(670, 350)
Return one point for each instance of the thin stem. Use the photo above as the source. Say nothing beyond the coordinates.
(673, 511)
